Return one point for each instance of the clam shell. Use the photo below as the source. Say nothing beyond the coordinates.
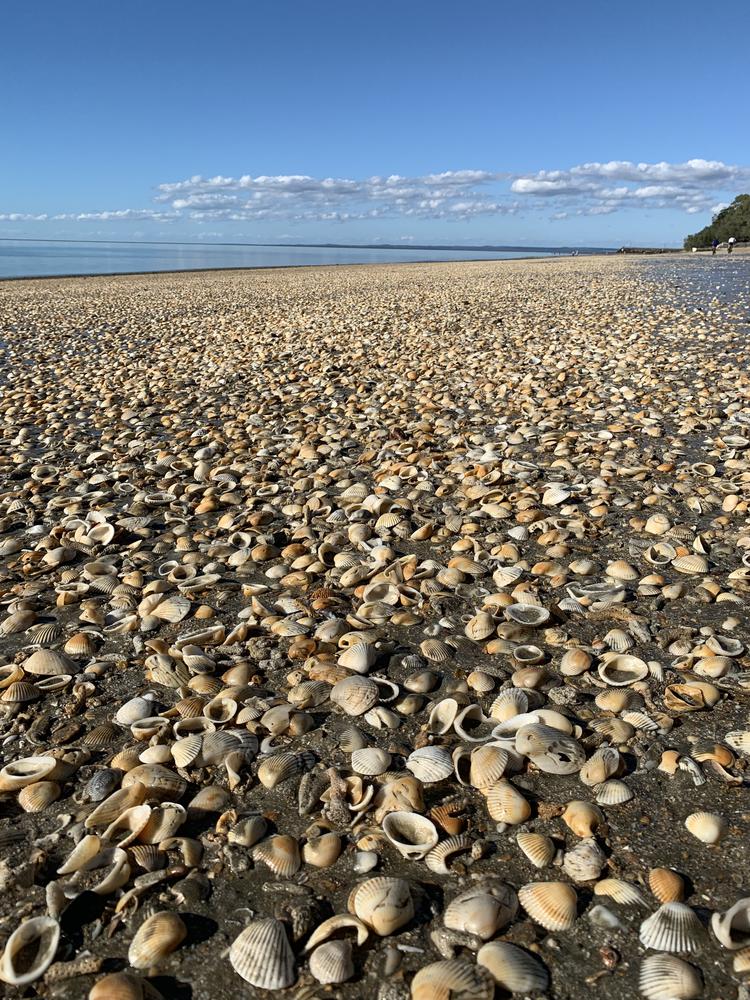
(282, 766)
(410, 833)
(512, 968)
(481, 911)
(621, 891)
(370, 761)
(436, 859)
(322, 851)
(29, 951)
(552, 905)
(706, 826)
(453, 978)
(261, 955)
(123, 986)
(530, 615)
(332, 962)
(612, 792)
(673, 927)
(115, 804)
(355, 695)
(35, 798)
(622, 669)
(280, 853)
(430, 764)
(506, 804)
(667, 885)
(538, 848)
(435, 650)
(158, 936)
(383, 904)
(49, 663)
(160, 782)
(732, 929)
(583, 818)
(585, 861)
(26, 771)
(665, 977)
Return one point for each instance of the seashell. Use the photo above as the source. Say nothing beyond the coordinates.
(674, 927)
(612, 792)
(436, 859)
(20, 692)
(665, 977)
(261, 955)
(47, 633)
(549, 749)
(657, 524)
(115, 804)
(601, 766)
(411, 834)
(248, 831)
(509, 703)
(583, 818)
(621, 891)
(323, 851)
(125, 828)
(370, 761)
(506, 804)
(732, 929)
(622, 669)
(341, 921)
(487, 765)
(35, 798)
(481, 626)
(280, 853)
(103, 735)
(187, 750)
(355, 695)
(512, 968)
(29, 951)
(134, 710)
(158, 936)
(160, 782)
(619, 640)
(530, 615)
(123, 986)
(173, 608)
(575, 662)
(48, 663)
(666, 885)
(442, 716)
(430, 764)
(585, 861)
(282, 766)
(358, 657)
(17, 622)
(383, 904)
(82, 644)
(706, 826)
(26, 771)
(332, 962)
(452, 979)
(552, 905)
(538, 848)
(690, 564)
(163, 822)
(482, 911)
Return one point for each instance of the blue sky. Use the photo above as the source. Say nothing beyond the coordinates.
(484, 122)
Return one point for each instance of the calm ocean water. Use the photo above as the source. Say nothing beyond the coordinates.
(23, 259)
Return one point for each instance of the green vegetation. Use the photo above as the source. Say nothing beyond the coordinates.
(731, 221)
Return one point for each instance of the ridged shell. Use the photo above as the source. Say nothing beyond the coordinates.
(435, 650)
(160, 782)
(552, 905)
(49, 663)
(20, 692)
(667, 885)
(690, 564)
(612, 792)
(453, 979)
(322, 851)
(261, 955)
(583, 818)
(282, 766)
(102, 736)
(332, 962)
(370, 761)
(158, 936)
(530, 615)
(29, 951)
(665, 977)
(674, 927)
(436, 859)
(621, 891)
(45, 634)
(17, 622)
(538, 848)
(481, 911)
(383, 904)
(358, 657)
(35, 798)
(430, 764)
(506, 804)
(511, 967)
(487, 765)
(172, 609)
(706, 826)
(355, 695)
(115, 804)
(585, 861)
(602, 765)
(123, 986)
(280, 853)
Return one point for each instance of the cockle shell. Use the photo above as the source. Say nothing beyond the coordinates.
(732, 929)
(666, 977)
(531, 615)
(35, 798)
(29, 951)
(552, 905)
(583, 818)
(280, 853)
(538, 848)
(482, 911)
(26, 771)
(622, 669)
(157, 937)
(370, 761)
(612, 792)
(585, 861)
(160, 782)
(453, 979)
(282, 766)
(322, 851)
(436, 859)
(602, 765)
(706, 826)
(506, 804)
(123, 986)
(355, 695)
(332, 962)
(48, 663)
(115, 804)
(512, 968)
(430, 764)
(621, 891)
(383, 904)
(410, 833)
(666, 885)
(673, 927)
(261, 955)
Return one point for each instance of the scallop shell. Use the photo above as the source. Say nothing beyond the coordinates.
(673, 927)
(482, 911)
(552, 905)
(613, 792)
(172, 609)
(430, 764)
(383, 904)
(706, 826)
(261, 955)
(452, 979)
(45, 634)
(411, 834)
(665, 977)
(332, 962)
(538, 848)
(667, 885)
(280, 853)
(158, 936)
(19, 692)
(512, 968)
(19, 964)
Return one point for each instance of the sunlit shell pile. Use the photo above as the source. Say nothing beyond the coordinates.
(374, 633)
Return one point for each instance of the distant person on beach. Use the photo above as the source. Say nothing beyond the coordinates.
(714, 244)
(730, 244)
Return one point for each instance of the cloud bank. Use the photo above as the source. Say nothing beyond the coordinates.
(585, 189)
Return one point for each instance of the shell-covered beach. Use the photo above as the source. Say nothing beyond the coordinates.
(376, 632)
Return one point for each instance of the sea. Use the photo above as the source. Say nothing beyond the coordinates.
(47, 258)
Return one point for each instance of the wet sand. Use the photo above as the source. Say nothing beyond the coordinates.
(520, 422)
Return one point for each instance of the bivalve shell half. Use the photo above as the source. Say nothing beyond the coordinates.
(410, 833)
(482, 911)
(665, 977)
(261, 955)
(706, 826)
(732, 928)
(280, 853)
(512, 968)
(453, 979)
(370, 761)
(383, 904)
(355, 695)
(552, 905)
(158, 936)
(674, 927)
(29, 951)
(538, 848)
(430, 764)
(622, 669)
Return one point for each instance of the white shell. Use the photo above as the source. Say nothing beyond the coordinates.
(332, 962)
(46, 933)
(482, 911)
(585, 861)
(411, 834)
(665, 977)
(674, 927)
(516, 970)
(622, 669)
(430, 764)
(732, 928)
(261, 955)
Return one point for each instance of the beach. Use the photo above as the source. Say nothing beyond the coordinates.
(463, 544)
